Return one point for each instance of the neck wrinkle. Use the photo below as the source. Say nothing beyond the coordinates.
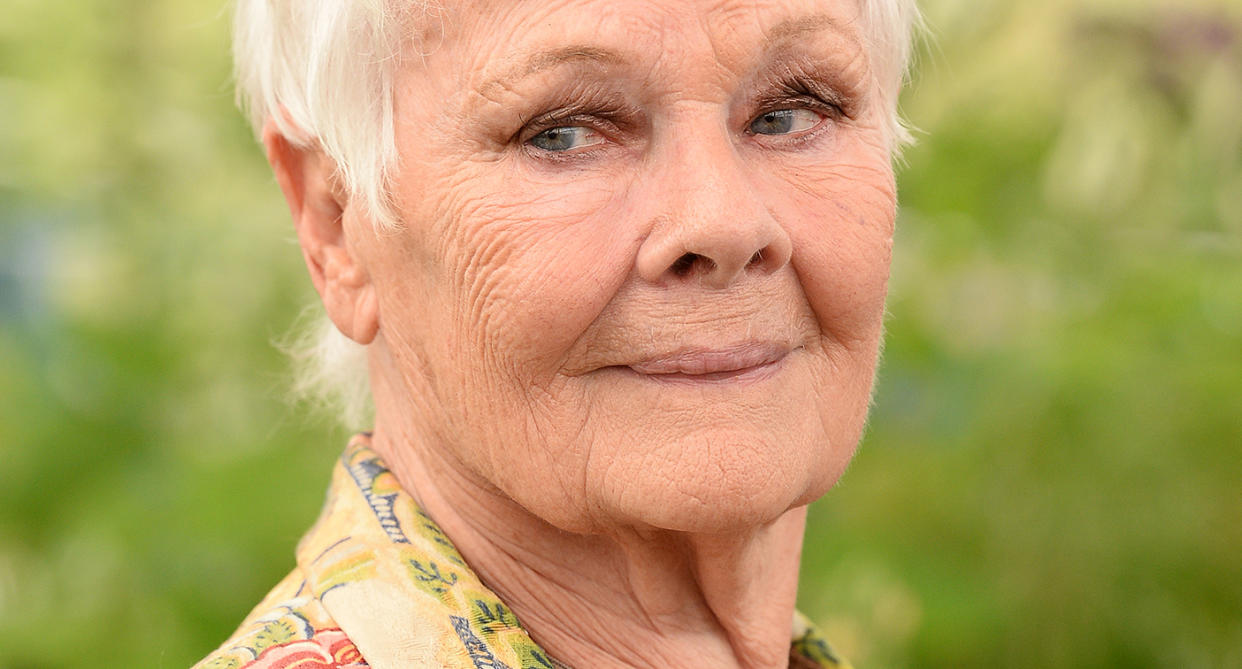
(591, 601)
(629, 598)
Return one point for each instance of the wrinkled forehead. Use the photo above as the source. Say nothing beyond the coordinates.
(502, 38)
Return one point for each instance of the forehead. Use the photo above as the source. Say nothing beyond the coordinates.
(506, 36)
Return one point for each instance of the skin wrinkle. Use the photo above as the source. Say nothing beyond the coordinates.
(614, 512)
(574, 54)
(653, 615)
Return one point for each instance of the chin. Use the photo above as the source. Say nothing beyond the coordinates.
(740, 481)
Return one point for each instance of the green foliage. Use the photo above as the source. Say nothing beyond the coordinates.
(1051, 475)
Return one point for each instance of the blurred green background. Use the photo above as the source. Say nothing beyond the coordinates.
(1053, 470)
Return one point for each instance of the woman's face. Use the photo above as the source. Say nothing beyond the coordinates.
(644, 252)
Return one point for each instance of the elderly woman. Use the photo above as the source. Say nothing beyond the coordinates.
(618, 268)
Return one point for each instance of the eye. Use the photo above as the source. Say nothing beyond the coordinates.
(566, 138)
(785, 121)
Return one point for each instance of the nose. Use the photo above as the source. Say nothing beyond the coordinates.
(711, 225)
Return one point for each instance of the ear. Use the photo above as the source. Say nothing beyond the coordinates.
(320, 206)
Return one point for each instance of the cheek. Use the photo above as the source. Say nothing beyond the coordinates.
(526, 267)
(840, 219)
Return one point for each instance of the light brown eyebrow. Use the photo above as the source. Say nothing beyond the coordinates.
(539, 61)
(544, 60)
(790, 29)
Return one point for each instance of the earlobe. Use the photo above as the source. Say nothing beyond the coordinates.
(366, 317)
(319, 206)
(347, 293)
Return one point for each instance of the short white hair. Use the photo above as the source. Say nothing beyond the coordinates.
(323, 71)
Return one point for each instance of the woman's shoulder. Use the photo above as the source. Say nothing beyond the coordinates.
(290, 627)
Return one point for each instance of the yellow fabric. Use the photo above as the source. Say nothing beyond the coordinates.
(378, 584)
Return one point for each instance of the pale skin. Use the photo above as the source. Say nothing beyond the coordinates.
(627, 328)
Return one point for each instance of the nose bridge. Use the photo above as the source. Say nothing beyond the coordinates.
(702, 159)
(710, 220)
(708, 166)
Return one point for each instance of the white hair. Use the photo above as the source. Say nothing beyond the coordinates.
(323, 72)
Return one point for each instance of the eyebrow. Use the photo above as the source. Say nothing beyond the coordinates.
(790, 29)
(781, 33)
(569, 54)
(545, 60)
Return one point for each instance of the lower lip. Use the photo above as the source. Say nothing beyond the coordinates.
(745, 375)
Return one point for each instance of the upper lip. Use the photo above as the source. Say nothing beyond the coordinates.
(695, 361)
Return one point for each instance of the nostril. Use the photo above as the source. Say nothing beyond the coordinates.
(685, 264)
(756, 259)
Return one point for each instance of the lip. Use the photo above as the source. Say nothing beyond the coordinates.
(748, 361)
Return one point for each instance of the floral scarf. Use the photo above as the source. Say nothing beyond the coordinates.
(378, 584)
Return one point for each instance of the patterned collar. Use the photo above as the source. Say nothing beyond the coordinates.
(399, 590)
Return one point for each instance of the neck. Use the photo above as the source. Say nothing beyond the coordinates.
(625, 597)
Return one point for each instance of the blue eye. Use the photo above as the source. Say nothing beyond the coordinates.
(785, 121)
(566, 138)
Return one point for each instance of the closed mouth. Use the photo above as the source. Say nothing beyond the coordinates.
(748, 361)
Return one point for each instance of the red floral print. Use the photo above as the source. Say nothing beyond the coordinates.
(328, 649)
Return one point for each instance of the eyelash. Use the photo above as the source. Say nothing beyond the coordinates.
(610, 118)
(606, 118)
(798, 93)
